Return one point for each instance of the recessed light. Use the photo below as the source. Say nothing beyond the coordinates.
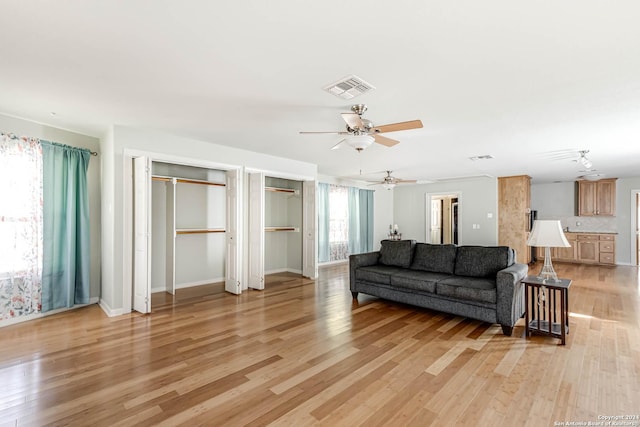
(53, 113)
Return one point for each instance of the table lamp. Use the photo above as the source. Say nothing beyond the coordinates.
(548, 234)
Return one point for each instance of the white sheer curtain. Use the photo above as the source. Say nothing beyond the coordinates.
(20, 226)
(338, 222)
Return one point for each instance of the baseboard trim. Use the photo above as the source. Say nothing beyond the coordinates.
(110, 311)
(283, 270)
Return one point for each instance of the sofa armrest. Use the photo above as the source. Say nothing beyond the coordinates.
(510, 294)
(360, 260)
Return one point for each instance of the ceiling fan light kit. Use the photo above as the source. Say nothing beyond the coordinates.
(360, 142)
(362, 132)
(388, 185)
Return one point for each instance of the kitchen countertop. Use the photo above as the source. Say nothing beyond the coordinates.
(591, 232)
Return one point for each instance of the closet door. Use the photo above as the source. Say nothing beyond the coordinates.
(142, 235)
(310, 230)
(256, 230)
(232, 268)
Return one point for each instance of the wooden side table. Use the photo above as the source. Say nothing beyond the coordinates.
(541, 307)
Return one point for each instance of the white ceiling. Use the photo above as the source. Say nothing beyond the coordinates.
(530, 83)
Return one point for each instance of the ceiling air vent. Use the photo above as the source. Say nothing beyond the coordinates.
(349, 87)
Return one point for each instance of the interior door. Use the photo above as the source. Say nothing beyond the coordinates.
(310, 230)
(232, 264)
(142, 234)
(256, 231)
(436, 221)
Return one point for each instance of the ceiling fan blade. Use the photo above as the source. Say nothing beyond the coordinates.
(406, 181)
(394, 127)
(338, 145)
(336, 133)
(353, 120)
(387, 142)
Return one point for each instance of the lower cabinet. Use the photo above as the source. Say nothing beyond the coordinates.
(586, 248)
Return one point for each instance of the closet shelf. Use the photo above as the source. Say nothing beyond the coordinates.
(199, 230)
(284, 228)
(282, 190)
(186, 180)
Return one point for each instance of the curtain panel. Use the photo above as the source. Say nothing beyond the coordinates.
(366, 220)
(20, 226)
(66, 254)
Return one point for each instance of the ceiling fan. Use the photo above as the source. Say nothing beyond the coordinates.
(362, 133)
(389, 182)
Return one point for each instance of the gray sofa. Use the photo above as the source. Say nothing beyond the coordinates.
(479, 282)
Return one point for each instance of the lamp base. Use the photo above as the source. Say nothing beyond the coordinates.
(548, 273)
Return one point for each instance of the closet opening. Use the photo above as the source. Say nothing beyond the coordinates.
(188, 231)
(282, 232)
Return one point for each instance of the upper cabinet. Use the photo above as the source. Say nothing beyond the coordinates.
(597, 198)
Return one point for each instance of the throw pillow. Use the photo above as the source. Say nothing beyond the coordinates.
(481, 261)
(397, 253)
(434, 258)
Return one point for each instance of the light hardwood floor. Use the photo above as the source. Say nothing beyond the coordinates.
(303, 353)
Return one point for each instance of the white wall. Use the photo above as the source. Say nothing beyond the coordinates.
(123, 142)
(478, 200)
(36, 130)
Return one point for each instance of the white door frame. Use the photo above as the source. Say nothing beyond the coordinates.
(127, 237)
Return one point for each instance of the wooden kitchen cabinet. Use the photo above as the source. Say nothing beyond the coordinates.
(586, 248)
(567, 254)
(597, 198)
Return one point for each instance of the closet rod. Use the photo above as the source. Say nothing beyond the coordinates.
(200, 231)
(197, 181)
(281, 190)
(161, 178)
(186, 180)
(280, 229)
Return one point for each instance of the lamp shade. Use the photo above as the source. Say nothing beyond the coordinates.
(549, 234)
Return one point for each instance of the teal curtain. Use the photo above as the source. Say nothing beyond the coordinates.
(66, 257)
(366, 220)
(324, 252)
(354, 220)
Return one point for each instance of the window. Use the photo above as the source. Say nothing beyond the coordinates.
(20, 226)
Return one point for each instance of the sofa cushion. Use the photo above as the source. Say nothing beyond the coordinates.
(397, 253)
(421, 281)
(379, 274)
(434, 258)
(482, 261)
(468, 288)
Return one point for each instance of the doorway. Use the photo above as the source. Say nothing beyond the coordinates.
(443, 218)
